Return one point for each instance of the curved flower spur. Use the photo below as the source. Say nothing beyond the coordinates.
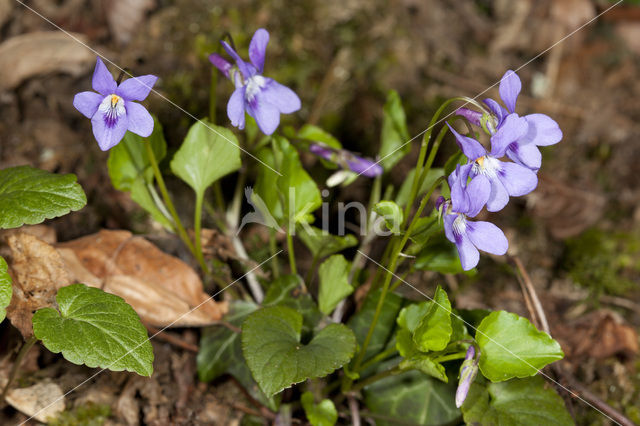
(261, 97)
(112, 110)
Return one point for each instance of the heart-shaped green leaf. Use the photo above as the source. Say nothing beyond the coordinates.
(334, 282)
(412, 398)
(276, 357)
(434, 330)
(392, 215)
(518, 402)
(29, 196)
(95, 328)
(321, 414)
(424, 363)
(510, 346)
(5, 288)
(207, 153)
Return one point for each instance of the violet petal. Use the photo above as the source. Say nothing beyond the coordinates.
(526, 154)
(512, 129)
(517, 179)
(140, 121)
(258, 47)
(542, 131)
(487, 237)
(510, 86)
(136, 88)
(87, 103)
(235, 108)
(471, 148)
(279, 96)
(221, 63)
(108, 136)
(102, 81)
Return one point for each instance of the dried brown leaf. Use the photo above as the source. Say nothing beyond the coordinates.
(38, 53)
(38, 272)
(42, 400)
(161, 288)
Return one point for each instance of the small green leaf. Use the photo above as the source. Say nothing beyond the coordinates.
(29, 196)
(411, 398)
(95, 328)
(322, 414)
(299, 191)
(394, 136)
(392, 215)
(334, 282)
(434, 330)
(207, 153)
(424, 363)
(316, 134)
(518, 402)
(129, 160)
(276, 357)
(130, 170)
(383, 331)
(322, 243)
(510, 346)
(6, 290)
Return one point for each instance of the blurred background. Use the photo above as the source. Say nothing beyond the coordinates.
(578, 234)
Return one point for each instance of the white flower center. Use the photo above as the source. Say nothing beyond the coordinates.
(254, 85)
(488, 166)
(112, 108)
(460, 224)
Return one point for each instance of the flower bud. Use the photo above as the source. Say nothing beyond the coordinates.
(468, 373)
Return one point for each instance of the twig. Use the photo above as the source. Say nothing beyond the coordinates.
(532, 294)
(571, 384)
(170, 338)
(355, 411)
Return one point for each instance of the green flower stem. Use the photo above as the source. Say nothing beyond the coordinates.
(197, 225)
(275, 266)
(397, 249)
(16, 365)
(292, 257)
(182, 233)
(380, 357)
(420, 168)
(383, 374)
(451, 357)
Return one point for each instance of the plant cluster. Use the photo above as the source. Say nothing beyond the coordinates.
(425, 362)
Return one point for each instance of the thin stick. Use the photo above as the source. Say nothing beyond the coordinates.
(355, 412)
(532, 293)
(16, 365)
(170, 338)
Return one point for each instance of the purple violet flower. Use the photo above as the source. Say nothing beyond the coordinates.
(262, 98)
(467, 201)
(503, 178)
(112, 110)
(541, 129)
(468, 373)
(346, 159)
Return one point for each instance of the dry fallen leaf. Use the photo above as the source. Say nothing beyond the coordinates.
(601, 334)
(37, 271)
(38, 53)
(42, 400)
(161, 288)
